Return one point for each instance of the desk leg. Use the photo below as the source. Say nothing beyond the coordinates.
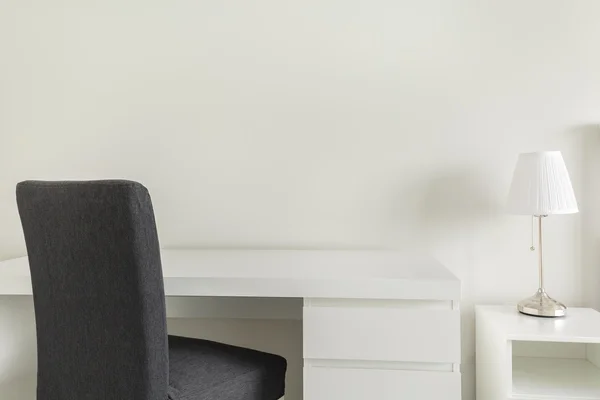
(17, 348)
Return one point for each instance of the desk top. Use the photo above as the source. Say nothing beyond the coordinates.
(285, 273)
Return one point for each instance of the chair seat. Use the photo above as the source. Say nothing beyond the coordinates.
(205, 370)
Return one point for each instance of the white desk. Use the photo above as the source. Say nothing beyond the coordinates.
(376, 324)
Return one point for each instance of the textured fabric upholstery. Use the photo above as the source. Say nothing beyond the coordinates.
(100, 307)
(205, 370)
(97, 290)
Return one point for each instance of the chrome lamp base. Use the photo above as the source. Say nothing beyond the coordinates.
(542, 305)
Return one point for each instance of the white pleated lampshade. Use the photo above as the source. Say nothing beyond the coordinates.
(541, 186)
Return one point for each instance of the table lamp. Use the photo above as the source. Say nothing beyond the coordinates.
(541, 187)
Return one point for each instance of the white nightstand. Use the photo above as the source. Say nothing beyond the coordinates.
(525, 358)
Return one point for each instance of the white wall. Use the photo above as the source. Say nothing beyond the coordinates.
(316, 124)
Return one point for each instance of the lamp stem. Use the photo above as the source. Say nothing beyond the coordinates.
(540, 304)
(541, 268)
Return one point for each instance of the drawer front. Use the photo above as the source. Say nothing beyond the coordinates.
(368, 384)
(381, 334)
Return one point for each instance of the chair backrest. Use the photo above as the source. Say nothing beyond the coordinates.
(97, 288)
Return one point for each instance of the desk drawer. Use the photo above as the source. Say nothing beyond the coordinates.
(365, 384)
(382, 334)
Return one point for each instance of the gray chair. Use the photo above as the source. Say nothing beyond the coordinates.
(100, 305)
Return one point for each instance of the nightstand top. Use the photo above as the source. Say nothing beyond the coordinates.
(580, 325)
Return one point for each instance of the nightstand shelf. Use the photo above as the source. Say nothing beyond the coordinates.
(554, 378)
(521, 357)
